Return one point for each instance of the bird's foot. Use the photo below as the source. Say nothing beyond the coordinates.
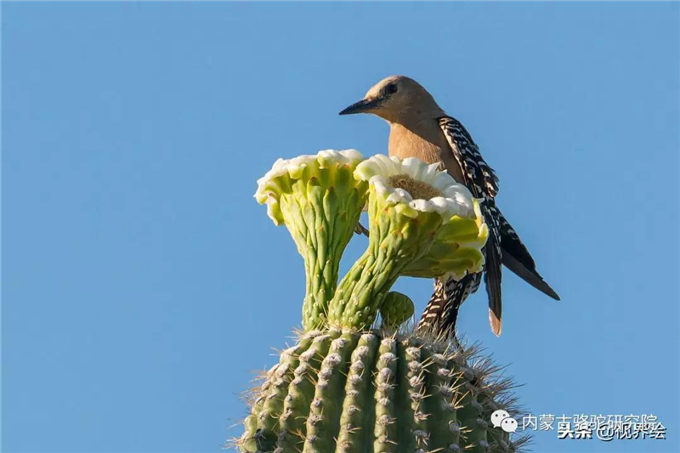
(360, 229)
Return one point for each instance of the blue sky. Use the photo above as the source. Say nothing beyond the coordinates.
(143, 286)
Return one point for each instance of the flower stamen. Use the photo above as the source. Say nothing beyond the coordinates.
(417, 189)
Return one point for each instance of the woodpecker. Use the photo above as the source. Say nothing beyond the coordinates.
(420, 128)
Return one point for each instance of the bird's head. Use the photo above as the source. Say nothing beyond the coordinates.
(396, 98)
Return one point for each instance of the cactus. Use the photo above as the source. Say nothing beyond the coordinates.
(348, 385)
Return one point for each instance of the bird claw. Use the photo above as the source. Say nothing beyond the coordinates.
(360, 229)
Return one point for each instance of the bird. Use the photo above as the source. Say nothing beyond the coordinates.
(420, 128)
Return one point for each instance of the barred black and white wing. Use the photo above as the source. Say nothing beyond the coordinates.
(479, 176)
(483, 183)
(503, 246)
(481, 180)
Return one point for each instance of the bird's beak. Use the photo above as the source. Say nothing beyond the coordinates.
(363, 106)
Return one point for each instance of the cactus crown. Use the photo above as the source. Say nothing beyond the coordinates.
(347, 386)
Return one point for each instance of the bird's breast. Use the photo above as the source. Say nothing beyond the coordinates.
(427, 145)
(405, 143)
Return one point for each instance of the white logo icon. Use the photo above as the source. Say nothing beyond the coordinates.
(509, 425)
(498, 416)
(502, 419)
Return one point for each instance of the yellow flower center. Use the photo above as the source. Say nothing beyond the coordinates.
(417, 189)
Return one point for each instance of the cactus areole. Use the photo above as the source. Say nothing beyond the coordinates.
(351, 384)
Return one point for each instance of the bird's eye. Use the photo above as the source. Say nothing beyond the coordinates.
(391, 88)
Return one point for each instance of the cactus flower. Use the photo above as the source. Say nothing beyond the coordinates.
(412, 207)
(320, 202)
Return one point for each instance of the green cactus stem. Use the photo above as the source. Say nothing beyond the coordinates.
(373, 392)
(320, 202)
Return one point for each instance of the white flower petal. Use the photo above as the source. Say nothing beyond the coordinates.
(296, 166)
(455, 198)
(421, 205)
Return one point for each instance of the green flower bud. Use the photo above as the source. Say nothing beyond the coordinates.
(396, 309)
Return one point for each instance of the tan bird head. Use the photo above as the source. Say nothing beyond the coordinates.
(397, 99)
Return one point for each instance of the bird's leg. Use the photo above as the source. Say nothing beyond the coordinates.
(452, 328)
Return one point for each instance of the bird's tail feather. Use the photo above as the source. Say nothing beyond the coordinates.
(492, 265)
(516, 257)
(492, 278)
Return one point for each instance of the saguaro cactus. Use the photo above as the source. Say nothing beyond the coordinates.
(349, 384)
